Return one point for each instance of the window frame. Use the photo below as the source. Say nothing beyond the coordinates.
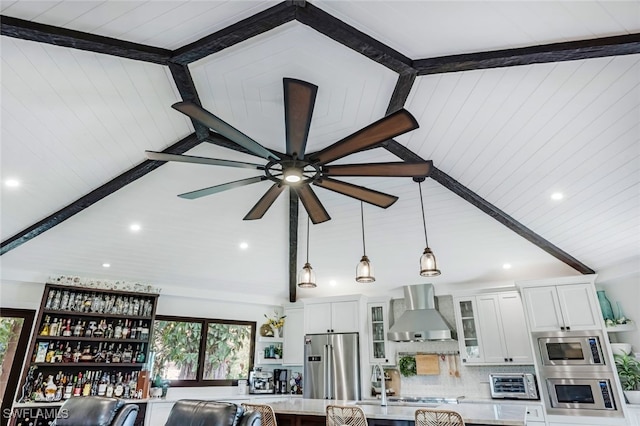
(204, 322)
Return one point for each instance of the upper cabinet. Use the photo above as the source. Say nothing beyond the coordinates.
(562, 307)
(331, 316)
(378, 326)
(492, 329)
(293, 345)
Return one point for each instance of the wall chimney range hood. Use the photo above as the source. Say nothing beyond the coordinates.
(421, 321)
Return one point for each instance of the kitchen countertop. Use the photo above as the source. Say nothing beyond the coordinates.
(482, 413)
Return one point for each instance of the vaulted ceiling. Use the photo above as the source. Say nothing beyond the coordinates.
(515, 101)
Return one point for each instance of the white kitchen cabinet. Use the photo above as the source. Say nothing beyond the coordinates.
(332, 317)
(378, 325)
(293, 345)
(535, 415)
(493, 329)
(633, 412)
(562, 307)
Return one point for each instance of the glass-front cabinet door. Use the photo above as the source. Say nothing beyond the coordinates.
(379, 351)
(468, 334)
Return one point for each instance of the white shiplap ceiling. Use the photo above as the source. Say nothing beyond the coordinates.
(73, 120)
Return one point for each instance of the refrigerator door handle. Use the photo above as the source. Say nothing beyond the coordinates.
(325, 372)
(328, 372)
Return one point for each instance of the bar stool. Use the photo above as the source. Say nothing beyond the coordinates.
(351, 415)
(266, 413)
(431, 417)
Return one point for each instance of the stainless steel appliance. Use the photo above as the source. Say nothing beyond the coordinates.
(513, 386)
(570, 348)
(421, 321)
(261, 382)
(332, 366)
(584, 395)
(280, 380)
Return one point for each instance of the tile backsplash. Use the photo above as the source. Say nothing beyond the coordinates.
(473, 382)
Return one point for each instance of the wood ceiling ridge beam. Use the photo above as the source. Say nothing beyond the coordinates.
(293, 244)
(236, 33)
(508, 221)
(57, 36)
(94, 196)
(352, 38)
(555, 52)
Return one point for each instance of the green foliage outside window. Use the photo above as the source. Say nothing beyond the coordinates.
(182, 355)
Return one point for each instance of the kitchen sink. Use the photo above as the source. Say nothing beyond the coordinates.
(417, 401)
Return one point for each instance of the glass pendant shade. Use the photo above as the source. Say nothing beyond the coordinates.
(307, 277)
(364, 271)
(428, 266)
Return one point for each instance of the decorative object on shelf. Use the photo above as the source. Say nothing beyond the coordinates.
(306, 277)
(407, 366)
(428, 265)
(266, 330)
(628, 368)
(102, 284)
(162, 384)
(296, 383)
(621, 318)
(605, 307)
(364, 270)
(276, 323)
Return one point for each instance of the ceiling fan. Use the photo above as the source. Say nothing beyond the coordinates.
(296, 169)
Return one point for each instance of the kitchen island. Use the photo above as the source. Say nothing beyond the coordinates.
(300, 411)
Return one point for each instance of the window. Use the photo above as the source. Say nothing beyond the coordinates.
(202, 352)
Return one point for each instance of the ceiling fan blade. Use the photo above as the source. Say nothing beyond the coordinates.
(367, 195)
(299, 100)
(225, 129)
(397, 169)
(161, 156)
(219, 188)
(265, 202)
(312, 204)
(386, 128)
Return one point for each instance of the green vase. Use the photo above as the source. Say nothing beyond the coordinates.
(605, 306)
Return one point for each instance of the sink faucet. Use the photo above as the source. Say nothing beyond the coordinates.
(383, 399)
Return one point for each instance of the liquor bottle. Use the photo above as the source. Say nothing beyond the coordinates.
(133, 331)
(94, 383)
(125, 306)
(87, 303)
(99, 355)
(57, 357)
(86, 355)
(77, 385)
(110, 386)
(127, 392)
(50, 389)
(139, 329)
(77, 353)
(67, 356)
(125, 330)
(127, 355)
(102, 386)
(60, 382)
(136, 307)
(73, 302)
(141, 356)
(144, 335)
(66, 332)
(109, 355)
(45, 327)
(133, 385)
(50, 352)
(50, 299)
(117, 355)
(64, 303)
(77, 329)
(68, 389)
(88, 332)
(86, 385)
(117, 332)
(99, 331)
(118, 390)
(56, 301)
(108, 333)
(54, 328)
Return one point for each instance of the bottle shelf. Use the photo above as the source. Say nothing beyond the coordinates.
(95, 315)
(89, 364)
(90, 339)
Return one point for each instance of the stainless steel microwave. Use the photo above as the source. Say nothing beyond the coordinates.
(570, 348)
(584, 396)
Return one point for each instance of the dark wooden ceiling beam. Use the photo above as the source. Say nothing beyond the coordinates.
(508, 221)
(293, 244)
(94, 196)
(556, 52)
(187, 89)
(356, 40)
(57, 36)
(236, 33)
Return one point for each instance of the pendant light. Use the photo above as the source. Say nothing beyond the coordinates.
(306, 276)
(428, 266)
(364, 270)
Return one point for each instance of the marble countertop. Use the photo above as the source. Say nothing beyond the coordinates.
(482, 413)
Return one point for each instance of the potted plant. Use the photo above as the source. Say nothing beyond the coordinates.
(629, 372)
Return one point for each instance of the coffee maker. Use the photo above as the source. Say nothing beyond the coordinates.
(280, 381)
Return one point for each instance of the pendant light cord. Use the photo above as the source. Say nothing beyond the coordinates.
(307, 239)
(364, 250)
(424, 222)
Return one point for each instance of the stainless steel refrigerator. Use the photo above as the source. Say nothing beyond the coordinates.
(331, 366)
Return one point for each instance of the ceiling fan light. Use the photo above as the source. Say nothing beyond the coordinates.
(428, 266)
(307, 277)
(293, 175)
(364, 271)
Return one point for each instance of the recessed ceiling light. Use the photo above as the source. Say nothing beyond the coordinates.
(333, 283)
(244, 245)
(106, 265)
(557, 196)
(12, 183)
(506, 266)
(135, 227)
